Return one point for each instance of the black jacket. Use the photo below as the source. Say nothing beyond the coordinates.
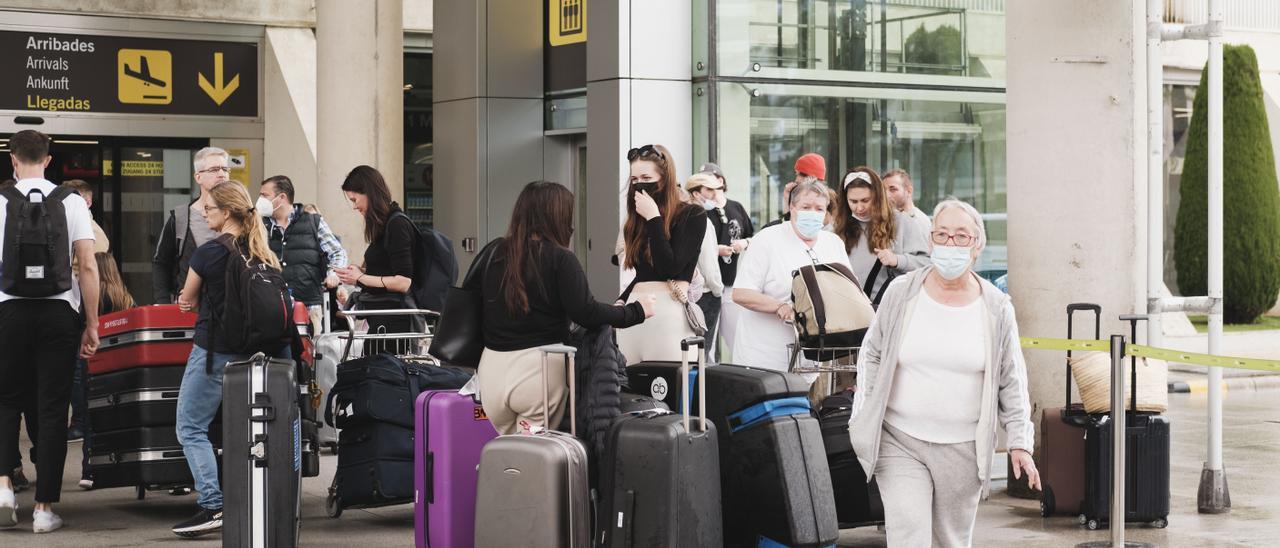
(169, 265)
(298, 248)
(601, 373)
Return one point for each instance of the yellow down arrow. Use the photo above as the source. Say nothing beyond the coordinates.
(221, 90)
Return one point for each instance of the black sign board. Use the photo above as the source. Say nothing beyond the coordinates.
(565, 46)
(88, 73)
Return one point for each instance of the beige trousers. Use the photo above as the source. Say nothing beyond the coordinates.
(658, 338)
(511, 389)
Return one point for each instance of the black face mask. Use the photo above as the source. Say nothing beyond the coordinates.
(648, 188)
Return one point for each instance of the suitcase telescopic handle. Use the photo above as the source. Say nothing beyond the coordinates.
(568, 352)
(1097, 334)
(1133, 320)
(698, 344)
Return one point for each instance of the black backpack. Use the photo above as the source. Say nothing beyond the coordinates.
(435, 268)
(257, 314)
(37, 253)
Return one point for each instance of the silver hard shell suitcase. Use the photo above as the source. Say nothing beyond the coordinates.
(262, 454)
(533, 489)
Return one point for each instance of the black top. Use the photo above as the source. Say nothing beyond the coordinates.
(731, 223)
(210, 262)
(391, 254)
(676, 258)
(562, 295)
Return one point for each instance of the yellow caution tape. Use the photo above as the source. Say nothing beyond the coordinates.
(1165, 354)
(1179, 356)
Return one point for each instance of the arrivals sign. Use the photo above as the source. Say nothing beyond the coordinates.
(88, 73)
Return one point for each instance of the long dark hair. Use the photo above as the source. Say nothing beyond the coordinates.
(667, 197)
(543, 213)
(883, 225)
(368, 181)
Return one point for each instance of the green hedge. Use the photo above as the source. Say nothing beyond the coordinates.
(1251, 199)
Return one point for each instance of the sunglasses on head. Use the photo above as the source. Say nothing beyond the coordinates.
(646, 150)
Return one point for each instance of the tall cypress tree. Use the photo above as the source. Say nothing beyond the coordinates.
(1251, 199)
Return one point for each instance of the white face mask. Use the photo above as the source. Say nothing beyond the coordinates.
(866, 219)
(950, 261)
(708, 205)
(264, 207)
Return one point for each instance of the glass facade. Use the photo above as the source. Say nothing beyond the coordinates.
(905, 84)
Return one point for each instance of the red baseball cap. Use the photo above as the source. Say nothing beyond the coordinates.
(812, 164)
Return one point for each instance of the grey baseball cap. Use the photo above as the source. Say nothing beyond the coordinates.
(712, 169)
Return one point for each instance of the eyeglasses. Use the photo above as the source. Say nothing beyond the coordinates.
(961, 239)
(215, 169)
(646, 150)
(207, 209)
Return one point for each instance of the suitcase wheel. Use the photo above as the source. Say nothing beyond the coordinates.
(1092, 525)
(141, 492)
(1160, 523)
(333, 505)
(1047, 504)
(1081, 519)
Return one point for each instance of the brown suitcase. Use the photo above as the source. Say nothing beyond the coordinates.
(1062, 442)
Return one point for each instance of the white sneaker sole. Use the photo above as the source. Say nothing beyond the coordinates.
(202, 529)
(47, 529)
(8, 516)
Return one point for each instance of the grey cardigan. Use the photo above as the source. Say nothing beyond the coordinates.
(1004, 394)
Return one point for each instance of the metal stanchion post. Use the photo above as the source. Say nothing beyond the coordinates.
(1118, 436)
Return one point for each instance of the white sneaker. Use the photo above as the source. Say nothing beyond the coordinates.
(45, 522)
(8, 509)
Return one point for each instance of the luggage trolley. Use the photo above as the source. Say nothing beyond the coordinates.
(410, 346)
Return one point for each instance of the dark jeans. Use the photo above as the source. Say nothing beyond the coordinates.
(710, 305)
(40, 338)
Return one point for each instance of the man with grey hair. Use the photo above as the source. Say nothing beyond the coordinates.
(186, 228)
(898, 186)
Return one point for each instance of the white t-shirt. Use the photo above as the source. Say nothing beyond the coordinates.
(937, 388)
(79, 227)
(766, 266)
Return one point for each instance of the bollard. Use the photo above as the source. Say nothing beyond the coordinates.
(1118, 438)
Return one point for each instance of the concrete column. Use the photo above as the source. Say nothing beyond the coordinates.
(1076, 171)
(289, 123)
(360, 93)
(639, 92)
(487, 101)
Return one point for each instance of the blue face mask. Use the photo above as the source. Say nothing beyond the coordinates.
(708, 205)
(809, 223)
(950, 261)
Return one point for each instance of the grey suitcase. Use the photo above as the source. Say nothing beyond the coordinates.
(262, 453)
(533, 490)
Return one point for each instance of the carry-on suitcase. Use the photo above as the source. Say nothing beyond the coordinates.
(858, 502)
(144, 336)
(133, 398)
(330, 350)
(147, 458)
(450, 432)
(1147, 461)
(660, 475)
(533, 490)
(1062, 455)
(631, 403)
(262, 458)
(773, 469)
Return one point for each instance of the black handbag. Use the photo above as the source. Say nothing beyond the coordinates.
(459, 336)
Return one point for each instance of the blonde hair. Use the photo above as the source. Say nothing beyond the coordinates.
(232, 198)
(112, 284)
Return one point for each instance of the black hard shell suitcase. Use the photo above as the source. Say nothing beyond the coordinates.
(132, 398)
(858, 503)
(631, 403)
(149, 458)
(533, 490)
(262, 458)
(1147, 461)
(660, 477)
(774, 477)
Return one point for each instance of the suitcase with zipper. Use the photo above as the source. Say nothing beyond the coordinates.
(451, 430)
(533, 489)
(262, 453)
(134, 398)
(660, 475)
(1147, 460)
(775, 483)
(144, 336)
(1062, 452)
(148, 458)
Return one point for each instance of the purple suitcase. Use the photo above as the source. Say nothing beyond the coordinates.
(451, 430)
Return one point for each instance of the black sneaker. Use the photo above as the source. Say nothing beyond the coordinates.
(19, 480)
(205, 521)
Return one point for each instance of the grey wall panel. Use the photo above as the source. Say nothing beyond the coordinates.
(458, 67)
(609, 127)
(513, 155)
(513, 50)
(605, 57)
(459, 171)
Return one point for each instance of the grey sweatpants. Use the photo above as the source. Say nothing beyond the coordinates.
(930, 491)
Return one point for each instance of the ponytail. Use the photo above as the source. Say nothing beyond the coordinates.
(233, 198)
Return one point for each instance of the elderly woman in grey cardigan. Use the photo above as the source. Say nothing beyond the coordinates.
(940, 367)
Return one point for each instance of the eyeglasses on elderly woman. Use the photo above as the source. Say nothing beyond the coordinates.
(962, 239)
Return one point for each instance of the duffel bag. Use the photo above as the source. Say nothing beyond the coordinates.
(382, 388)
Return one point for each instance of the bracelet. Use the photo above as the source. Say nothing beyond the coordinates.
(358, 278)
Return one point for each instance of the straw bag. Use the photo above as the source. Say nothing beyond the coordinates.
(1092, 372)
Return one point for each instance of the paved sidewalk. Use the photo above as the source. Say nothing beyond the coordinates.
(111, 517)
